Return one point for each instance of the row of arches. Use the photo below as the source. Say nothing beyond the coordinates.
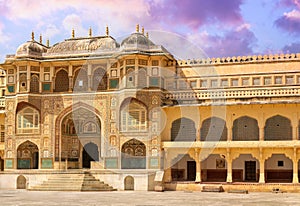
(133, 117)
(80, 80)
(245, 168)
(133, 155)
(244, 129)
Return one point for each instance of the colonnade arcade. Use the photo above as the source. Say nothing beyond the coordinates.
(262, 165)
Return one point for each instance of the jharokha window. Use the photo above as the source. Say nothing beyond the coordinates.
(133, 116)
(28, 121)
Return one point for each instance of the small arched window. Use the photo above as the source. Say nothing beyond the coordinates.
(133, 116)
(28, 121)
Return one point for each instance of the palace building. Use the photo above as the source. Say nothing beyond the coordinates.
(132, 115)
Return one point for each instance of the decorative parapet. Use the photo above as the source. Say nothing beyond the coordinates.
(233, 93)
(239, 59)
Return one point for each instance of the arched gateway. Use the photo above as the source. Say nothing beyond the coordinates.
(78, 137)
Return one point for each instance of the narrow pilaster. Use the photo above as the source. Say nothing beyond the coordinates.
(70, 74)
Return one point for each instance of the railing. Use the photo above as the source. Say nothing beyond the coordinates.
(232, 144)
(233, 93)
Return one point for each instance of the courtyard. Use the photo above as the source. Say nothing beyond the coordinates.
(137, 198)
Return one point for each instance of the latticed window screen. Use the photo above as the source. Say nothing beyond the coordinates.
(183, 129)
(133, 117)
(245, 129)
(61, 81)
(34, 84)
(142, 78)
(99, 79)
(213, 129)
(278, 128)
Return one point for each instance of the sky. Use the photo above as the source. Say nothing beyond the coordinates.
(221, 28)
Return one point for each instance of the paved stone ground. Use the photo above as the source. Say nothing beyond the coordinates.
(120, 198)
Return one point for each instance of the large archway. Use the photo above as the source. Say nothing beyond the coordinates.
(28, 156)
(133, 155)
(90, 153)
(80, 138)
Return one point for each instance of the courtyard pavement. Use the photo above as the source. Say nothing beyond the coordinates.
(137, 198)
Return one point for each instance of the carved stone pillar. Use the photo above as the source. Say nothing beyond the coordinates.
(295, 167)
(229, 167)
(261, 167)
(198, 166)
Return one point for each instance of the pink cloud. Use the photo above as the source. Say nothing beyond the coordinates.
(289, 22)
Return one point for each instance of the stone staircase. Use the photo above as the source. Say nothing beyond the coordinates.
(72, 182)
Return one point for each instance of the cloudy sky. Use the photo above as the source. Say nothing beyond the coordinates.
(220, 28)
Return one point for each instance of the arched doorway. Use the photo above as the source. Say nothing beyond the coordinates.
(28, 156)
(133, 155)
(129, 183)
(21, 182)
(90, 153)
(80, 139)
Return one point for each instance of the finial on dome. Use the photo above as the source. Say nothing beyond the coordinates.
(73, 33)
(137, 28)
(32, 36)
(147, 35)
(48, 43)
(41, 39)
(90, 32)
(143, 30)
(107, 31)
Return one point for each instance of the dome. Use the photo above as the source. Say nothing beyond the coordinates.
(136, 40)
(31, 48)
(80, 45)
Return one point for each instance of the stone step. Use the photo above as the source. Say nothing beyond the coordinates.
(73, 182)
